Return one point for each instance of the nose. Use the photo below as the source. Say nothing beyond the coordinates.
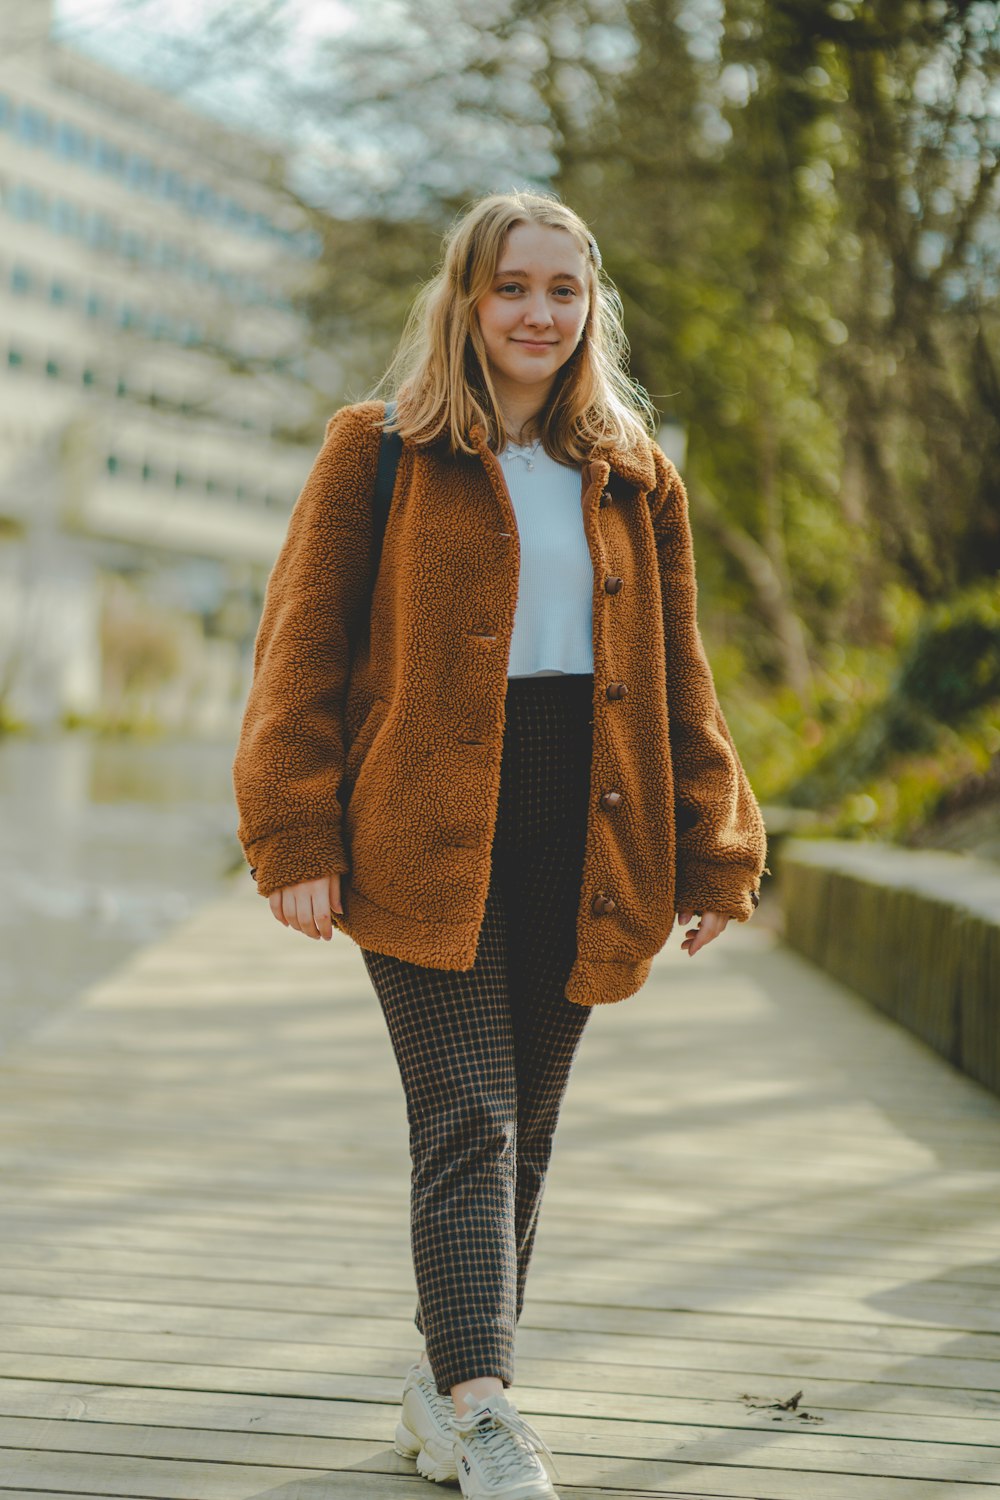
(537, 313)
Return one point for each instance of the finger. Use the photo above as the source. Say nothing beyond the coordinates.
(322, 920)
(304, 912)
(274, 902)
(712, 923)
(336, 901)
(288, 907)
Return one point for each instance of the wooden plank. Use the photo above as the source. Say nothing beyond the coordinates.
(743, 1328)
(888, 1219)
(596, 1419)
(961, 1313)
(646, 1282)
(347, 1338)
(867, 1407)
(139, 1220)
(357, 1431)
(378, 1255)
(179, 1479)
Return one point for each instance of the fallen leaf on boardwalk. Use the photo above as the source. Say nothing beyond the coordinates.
(790, 1405)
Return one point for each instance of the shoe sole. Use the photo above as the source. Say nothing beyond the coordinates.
(409, 1445)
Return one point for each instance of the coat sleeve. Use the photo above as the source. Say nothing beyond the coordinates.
(721, 841)
(290, 755)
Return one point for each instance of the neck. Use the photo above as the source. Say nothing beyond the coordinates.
(520, 408)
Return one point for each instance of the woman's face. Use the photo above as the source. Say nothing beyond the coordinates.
(533, 315)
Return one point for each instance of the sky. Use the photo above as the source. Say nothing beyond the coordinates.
(256, 66)
(170, 43)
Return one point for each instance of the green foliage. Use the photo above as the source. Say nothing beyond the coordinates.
(948, 674)
(953, 666)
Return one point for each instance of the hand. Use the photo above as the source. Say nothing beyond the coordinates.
(306, 907)
(712, 923)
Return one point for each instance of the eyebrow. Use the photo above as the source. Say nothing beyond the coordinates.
(559, 275)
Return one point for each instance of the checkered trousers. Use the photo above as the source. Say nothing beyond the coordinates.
(485, 1053)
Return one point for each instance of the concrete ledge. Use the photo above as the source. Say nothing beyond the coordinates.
(916, 931)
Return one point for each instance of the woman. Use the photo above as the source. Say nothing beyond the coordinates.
(500, 767)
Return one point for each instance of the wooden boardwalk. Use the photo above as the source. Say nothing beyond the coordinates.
(768, 1265)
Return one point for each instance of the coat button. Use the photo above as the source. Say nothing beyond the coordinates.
(755, 899)
(613, 584)
(611, 799)
(601, 905)
(616, 690)
(606, 497)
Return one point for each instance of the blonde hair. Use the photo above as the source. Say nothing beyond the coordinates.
(439, 375)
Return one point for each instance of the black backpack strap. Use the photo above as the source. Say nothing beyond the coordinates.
(390, 448)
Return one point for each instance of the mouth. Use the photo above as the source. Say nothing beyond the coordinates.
(535, 343)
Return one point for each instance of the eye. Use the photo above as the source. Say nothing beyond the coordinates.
(510, 286)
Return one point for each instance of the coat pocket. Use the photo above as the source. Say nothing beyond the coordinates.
(361, 744)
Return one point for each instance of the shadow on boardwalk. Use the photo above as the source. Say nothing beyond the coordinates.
(760, 1187)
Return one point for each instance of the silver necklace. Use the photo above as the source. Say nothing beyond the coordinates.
(527, 451)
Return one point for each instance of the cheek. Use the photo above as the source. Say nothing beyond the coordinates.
(493, 317)
(573, 316)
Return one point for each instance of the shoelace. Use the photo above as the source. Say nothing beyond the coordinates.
(504, 1458)
(442, 1406)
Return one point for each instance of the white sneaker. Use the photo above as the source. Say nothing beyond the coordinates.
(424, 1429)
(496, 1453)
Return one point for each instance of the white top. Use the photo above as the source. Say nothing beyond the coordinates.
(553, 621)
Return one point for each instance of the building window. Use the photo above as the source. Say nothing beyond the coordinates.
(121, 387)
(94, 306)
(64, 217)
(58, 293)
(204, 201)
(140, 172)
(88, 377)
(32, 125)
(25, 203)
(14, 358)
(108, 157)
(99, 232)
(6, 111)
(112, 463)
(52, 369)
(72, 142)
(20, 280)
(172, 185)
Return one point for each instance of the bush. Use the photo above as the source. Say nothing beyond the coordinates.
(948, 673)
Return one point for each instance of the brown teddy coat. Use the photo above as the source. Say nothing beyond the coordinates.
(371, 742)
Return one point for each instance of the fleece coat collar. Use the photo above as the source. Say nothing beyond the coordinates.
(373, 733)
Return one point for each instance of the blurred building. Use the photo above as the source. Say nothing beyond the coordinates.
(158, 396)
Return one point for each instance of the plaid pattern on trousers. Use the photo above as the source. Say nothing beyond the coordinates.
(485, 1053)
